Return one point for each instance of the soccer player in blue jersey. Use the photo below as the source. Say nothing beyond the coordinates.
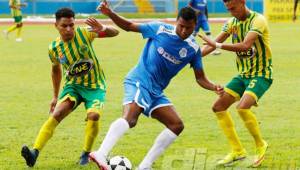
(167, 51)
(200, 6)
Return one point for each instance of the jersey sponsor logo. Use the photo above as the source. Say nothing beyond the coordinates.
(80, 67)
(183, 52)
(247, 54)
(234, 32)
(162, 29)
(62, 59)
(167, 56)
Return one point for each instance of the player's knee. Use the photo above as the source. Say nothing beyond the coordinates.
(176, 127)
(132, 122)
(217, 108)
(93, 116)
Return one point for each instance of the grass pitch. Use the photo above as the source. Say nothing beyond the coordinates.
(26, 92)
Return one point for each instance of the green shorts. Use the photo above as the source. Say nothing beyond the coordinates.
(93, 99)
(255, 87)
(18, 19)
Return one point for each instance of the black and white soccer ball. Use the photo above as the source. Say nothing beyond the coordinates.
(120, 163)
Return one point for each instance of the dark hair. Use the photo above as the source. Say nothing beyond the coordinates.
(226, 1)
(187, 13)
(64, 13)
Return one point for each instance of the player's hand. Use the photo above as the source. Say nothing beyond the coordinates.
(104, 8)
(219, 90)
(52, 105)
(208, 41)
(95, 26)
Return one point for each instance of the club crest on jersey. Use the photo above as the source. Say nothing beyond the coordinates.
(62, 59)
(80, 67)
(247, 54)
(83, 49)
(183, 52)
(234, 32)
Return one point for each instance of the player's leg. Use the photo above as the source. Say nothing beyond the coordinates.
(197, 28)
(46, 132)
(68, 101)
(11, 28)
(132, 109)
(19, 29)
(256, 88)
(116, 130)
(164, 112)
(234, 89)
(94, 102)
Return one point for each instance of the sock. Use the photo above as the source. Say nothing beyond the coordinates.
(115, 132)
(19, 32)
(12, 28)
(45, 133)
(227, 125)
(91, 132)
(252, 125)
(163, 140)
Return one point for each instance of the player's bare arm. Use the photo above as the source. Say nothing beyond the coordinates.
(203, 81)
(207, 49)
(118, 20)
(56, 75)
(97, 27)
(237, 47)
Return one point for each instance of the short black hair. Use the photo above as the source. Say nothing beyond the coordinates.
(187, 13)
(64, 13)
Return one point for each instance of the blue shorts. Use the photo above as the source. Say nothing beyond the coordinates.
(134, 92)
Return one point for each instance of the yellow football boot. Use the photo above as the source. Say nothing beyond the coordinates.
(232, 157)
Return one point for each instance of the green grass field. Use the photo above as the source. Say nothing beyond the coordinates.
(26, 92)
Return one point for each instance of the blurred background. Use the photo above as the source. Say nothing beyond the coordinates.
(37, 7)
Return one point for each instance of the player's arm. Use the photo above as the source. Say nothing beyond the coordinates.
(56, 75)
(208, 48)
(237, 47)
(190, 4)
(118, 20)
(203, 81)
(101, 30)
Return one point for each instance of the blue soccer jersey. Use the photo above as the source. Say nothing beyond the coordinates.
(164, 55)
(199, 6)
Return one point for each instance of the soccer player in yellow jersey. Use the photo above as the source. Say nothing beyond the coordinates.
(250, 41)
(84, 80)
(15, 6)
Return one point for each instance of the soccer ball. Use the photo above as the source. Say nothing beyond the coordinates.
(119, 163)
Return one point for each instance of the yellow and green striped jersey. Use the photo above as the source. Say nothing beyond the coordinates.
(78, 58)
(15, 12)
(257, 61)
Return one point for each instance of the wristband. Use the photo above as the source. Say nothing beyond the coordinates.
(218, 45)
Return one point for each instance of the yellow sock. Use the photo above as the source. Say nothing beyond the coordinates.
(12, 28)
(91, 132)
(45, 133)
(252, 125)
(19, 32)
(227, 125)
